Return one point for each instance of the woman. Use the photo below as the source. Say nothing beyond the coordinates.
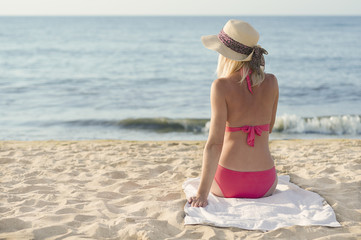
(236, 161)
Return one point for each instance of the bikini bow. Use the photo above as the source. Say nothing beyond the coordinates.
(251, 133)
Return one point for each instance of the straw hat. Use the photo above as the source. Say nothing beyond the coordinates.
(237, 41)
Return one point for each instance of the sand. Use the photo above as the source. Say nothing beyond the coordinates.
(132, 190)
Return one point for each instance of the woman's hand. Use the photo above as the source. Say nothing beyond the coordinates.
(198, 201)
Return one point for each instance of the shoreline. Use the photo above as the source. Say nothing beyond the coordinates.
(121, 189)
(356, 138)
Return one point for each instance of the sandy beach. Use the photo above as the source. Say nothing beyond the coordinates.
(133, 190)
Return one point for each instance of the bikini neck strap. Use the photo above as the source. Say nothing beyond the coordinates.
(248, 78)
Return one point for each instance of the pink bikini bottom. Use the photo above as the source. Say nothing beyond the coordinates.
(234, 184)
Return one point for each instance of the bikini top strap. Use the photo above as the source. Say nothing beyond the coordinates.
(248, 78)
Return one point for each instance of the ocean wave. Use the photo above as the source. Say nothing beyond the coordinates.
(161, 125)
(286, 124)
(330, 125)
(166, 124)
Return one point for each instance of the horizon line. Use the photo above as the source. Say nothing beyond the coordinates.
(180, 15)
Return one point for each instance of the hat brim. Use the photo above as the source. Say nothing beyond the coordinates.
(212, 42)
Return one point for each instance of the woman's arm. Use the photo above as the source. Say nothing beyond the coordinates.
(274, 109)
(213, 148)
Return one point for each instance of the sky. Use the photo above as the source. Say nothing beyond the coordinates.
(179, 7)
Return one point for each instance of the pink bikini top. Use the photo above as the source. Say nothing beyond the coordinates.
(251, 130)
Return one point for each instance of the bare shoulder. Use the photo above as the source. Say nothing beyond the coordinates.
(270, 77)
(219, 82)
(271, 80)
(220, 85)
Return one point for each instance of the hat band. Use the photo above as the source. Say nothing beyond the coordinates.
(233, 44)
(257, 58)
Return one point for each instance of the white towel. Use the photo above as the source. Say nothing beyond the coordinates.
(289, 205)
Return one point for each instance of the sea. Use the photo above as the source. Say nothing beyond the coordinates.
(149, 77)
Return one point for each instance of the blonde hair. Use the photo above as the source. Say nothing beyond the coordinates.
(228, 66)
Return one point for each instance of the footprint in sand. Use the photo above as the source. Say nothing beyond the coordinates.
(47, 232)
(66, 211)
(13, 225)
(128, 186)
(6, 160)
(169, 196)
(109, 195)
(117, 175)
(84, 218)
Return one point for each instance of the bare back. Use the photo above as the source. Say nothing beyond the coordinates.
(244, 108)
